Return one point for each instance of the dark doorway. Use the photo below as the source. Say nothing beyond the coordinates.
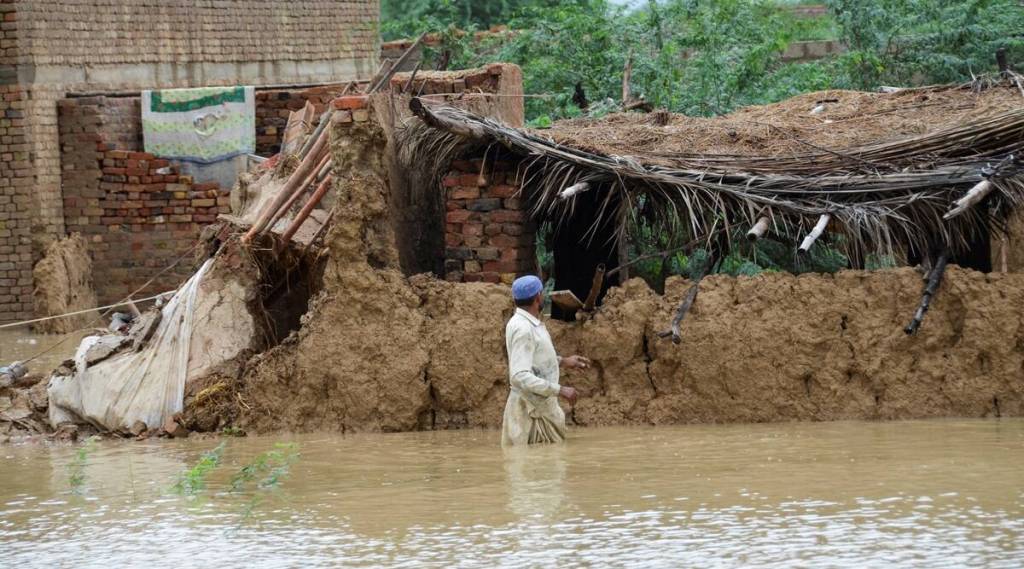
(578, 248)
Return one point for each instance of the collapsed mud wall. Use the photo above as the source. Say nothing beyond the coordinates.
(381, 352)
(64, 283)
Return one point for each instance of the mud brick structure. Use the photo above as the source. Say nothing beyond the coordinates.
(488, 234)
(52, 48)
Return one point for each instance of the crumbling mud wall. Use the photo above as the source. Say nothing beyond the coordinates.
(378, 351)
(64, 283)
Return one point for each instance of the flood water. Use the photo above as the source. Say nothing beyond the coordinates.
(914, 494)
(47, 351)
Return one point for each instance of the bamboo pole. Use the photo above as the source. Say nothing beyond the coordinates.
(461, 128)
(972, 197)
(815, 233)
(299, 190)
(386, 76)
(574, 189)
(758, 230)
(317, 133)
(303, 214)
(297, 176)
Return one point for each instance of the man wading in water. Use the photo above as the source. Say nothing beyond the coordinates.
(532, 414)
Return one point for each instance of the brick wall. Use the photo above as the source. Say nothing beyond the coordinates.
(274, 106)
(16, 207)
(84, 32)
(137, 214)
(488, 234)
(49, 48)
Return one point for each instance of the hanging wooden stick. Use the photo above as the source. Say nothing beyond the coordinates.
(815, 233)
(673, 331)
(934, 280)
(595, 288)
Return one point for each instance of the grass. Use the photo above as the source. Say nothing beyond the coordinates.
(193, 481)
(76, 469)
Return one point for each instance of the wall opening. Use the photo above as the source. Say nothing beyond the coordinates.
(578, 246)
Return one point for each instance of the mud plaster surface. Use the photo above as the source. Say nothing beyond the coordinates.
(380, 352)
(63, 283)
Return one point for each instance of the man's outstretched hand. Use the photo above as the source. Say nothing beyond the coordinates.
(576, 362)
(568, 393)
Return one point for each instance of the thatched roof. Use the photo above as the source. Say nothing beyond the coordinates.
(887, 168)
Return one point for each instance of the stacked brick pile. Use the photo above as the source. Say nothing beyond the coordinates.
(494, 91)
(273, 108)
(488, 234)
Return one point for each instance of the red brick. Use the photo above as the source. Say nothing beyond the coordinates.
(500, 266)
(517, 254)
(462, 193)
(502, 191)
(349, 102)
(450, 181)
(473, 229)
(452, 239)
(506, 216)
(472, 180)
(459, 216)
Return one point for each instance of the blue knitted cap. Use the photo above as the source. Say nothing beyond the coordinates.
(526, 287)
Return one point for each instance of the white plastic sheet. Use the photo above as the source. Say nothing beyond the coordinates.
(147, 386)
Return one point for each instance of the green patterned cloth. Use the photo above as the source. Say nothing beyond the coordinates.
(204, 125)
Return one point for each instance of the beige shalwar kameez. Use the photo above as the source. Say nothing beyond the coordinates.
(532, 414)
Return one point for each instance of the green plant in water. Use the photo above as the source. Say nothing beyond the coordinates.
(193, 480)
(233, 431)
(76, 469)
(268, 470)
(269, 467)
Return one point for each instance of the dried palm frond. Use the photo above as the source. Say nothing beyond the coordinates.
(884, 196)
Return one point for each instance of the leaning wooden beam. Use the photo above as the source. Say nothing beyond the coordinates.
(386, 76)
(815, 233)
(758, 230)
(972, 197)
(573, 190)
(307, 209)
(595, 288)
(455, 126)
(934, 280)
(286, 192)
(299, 191)
(317, 133)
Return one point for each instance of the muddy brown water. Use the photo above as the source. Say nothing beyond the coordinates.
(944, 493)
(47, 351)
